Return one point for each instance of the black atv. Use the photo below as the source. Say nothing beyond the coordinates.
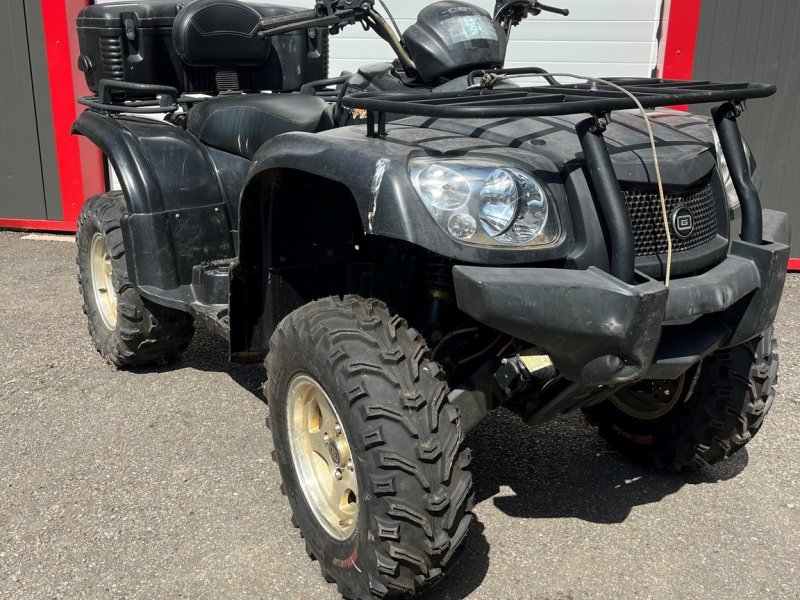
(417, 243)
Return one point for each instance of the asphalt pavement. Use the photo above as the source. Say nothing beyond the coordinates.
(158, 483)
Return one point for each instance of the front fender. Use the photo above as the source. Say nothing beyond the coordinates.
(375, 171)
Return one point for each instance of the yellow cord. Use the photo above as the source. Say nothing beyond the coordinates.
(664, 215)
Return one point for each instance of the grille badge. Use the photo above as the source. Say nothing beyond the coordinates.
(682, 222)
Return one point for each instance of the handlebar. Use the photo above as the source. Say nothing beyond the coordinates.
(552, 9)
(510, 13)
(336, 14)
(275, 25)
(333, 14)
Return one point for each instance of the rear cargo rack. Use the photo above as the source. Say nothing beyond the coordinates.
(597, 100)
(111, 98)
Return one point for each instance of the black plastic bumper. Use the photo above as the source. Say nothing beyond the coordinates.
(599, 330)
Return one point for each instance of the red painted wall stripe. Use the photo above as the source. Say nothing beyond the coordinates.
(80, 166)
(684, 22)
(27, 224)
(681, 40)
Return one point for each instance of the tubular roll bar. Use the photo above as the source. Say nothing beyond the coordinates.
(609, 197)
(598, 101)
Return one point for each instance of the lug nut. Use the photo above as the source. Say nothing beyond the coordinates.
(338, 429)
(326, 438)
(338, 474)
(350, 465)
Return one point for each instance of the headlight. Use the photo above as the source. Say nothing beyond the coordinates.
(486, 204)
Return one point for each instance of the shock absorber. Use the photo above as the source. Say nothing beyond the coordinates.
(441, 291)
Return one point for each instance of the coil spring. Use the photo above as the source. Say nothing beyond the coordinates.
(439, 275)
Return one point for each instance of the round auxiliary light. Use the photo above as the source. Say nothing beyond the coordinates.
(462, 226)
(443, 188)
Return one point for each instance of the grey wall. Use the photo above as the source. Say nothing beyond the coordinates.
(759, 40)
(28, 172)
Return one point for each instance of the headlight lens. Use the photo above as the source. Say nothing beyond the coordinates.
(444, 188)
(499, 202)
(511, 206)
(514, 207)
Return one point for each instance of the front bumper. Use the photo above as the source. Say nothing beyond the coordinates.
(599, 330)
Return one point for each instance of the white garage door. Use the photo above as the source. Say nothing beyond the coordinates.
(600, 37)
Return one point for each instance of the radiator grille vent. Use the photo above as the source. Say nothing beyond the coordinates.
(644, 207)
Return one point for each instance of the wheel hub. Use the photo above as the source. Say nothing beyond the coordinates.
(321, 457)
(650, 400)
(334, 453)
(101, 272)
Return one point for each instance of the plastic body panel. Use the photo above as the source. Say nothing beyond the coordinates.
(630, 337)
(375, 171)
(611, 333)
(177, 214)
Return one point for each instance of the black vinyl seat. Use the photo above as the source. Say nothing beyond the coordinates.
(241, 124)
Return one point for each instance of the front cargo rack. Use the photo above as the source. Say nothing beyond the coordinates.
(597, 99)
(554, 99)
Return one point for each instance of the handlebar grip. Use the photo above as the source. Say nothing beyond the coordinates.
(552, 9)
(290, 19)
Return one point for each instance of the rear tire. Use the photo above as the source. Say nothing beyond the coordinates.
(126, 329)
(412, 499)
(720, 409)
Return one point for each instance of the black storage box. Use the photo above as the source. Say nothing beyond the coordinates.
(133, 42)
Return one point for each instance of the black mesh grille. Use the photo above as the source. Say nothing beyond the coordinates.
(644, 207)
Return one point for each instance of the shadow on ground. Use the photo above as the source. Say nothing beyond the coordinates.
(209, 353)
(559, 470)
(563, 470)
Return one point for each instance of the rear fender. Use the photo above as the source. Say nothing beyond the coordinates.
(176, 215)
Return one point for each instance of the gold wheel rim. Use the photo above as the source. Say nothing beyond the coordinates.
(650, 400)
(322, 458)
(101, 271)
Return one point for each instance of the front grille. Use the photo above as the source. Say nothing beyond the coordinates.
(644, 207)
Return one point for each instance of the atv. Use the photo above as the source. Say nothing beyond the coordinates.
(415, 244)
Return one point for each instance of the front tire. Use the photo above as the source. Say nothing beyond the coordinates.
(126, 329)
(716, 410)
(375, 432)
